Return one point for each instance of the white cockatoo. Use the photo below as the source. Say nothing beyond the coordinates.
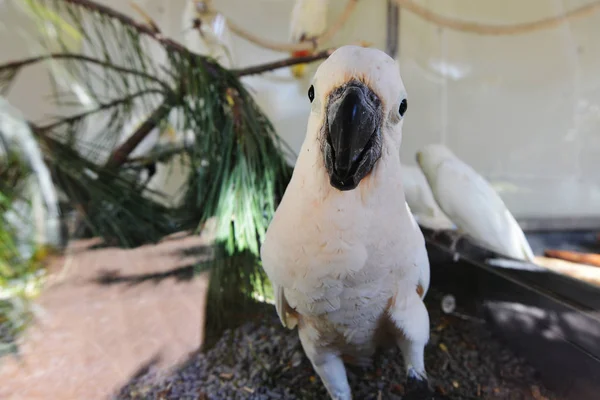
(207, 32)
(349, 267)
(472, 204)
(421, 201)
(308, 21)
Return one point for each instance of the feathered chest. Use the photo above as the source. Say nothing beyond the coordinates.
(334, 251)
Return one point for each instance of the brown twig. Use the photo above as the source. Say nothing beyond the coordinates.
(238, 72)
(259, 69)
(119, 156)
(291, 47)
(485, 29)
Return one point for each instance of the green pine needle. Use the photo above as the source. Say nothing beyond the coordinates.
(237, 161)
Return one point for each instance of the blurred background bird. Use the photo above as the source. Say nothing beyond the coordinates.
(421, 201)
(472, 204)
(207, 32)
(308, 22)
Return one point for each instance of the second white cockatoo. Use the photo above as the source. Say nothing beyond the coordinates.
(349, 267)
(308, 21)
(472, 204)
(421, 201)
(207, 32)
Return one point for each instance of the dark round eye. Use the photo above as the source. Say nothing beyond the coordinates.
(311, 93)
(403, 107)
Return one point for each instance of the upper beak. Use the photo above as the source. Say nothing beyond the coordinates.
(353, 119)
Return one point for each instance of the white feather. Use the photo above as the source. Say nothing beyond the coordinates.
(213, 37)
(421, 200)
(423, 260)
(472, 204)
(309, 18)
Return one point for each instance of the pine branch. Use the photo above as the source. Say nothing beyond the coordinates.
(164, 155)
(151, 31)
(119, 156)
(112, 204)
(148, 30)
(101, 107)
(237, 164)
(19, 64)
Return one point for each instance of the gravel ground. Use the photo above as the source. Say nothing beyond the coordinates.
(263, 361)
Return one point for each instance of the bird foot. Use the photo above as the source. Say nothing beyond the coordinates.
(453, 245)
(417, 388)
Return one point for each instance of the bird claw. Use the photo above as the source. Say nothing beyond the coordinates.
(417, 388)
(453, 245)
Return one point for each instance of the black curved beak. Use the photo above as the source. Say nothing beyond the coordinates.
(353, 137)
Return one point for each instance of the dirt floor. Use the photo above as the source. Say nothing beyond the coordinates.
(262, 361)
(106, 315)
(128, 323)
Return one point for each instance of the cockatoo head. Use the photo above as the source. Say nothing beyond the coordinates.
(358, 105)
(431, 156)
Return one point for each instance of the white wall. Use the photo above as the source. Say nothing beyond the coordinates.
(523, 110)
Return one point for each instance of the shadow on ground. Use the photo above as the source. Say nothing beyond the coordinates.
(114, 277)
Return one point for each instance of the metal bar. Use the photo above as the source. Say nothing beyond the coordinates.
(541, 224)
(392, 28)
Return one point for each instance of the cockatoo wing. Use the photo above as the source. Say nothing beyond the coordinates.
(422, 259)
(308, 20)
(211, 38)
(421, 201)
(286, 316)
(470, 201)
(277, 275)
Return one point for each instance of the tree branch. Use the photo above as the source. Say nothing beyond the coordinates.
(163, 154)
(259, 69)
(119, 156)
